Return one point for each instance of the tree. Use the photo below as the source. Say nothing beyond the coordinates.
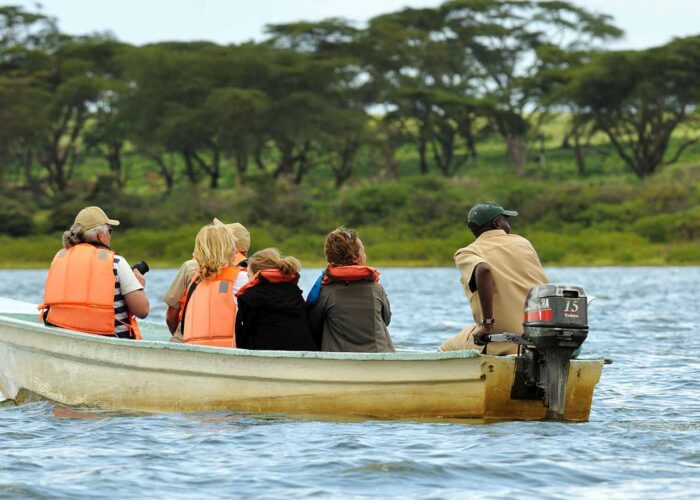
(167, 106)
(638, 99)
(238, 120)
(25, 37)
(397, 48)
(109, 128)
(22, 114)
(341, 116)
(510, 42)
(77, 78)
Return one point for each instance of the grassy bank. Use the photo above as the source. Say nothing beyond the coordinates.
(603, 217)
(385, 247)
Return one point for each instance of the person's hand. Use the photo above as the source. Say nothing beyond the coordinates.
(480, 332)
(140, 277)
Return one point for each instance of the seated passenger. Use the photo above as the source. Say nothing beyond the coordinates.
(349, 310)
(271, 309)
(242, 237)
(89, 287)
(498, 269)
(173, 297)
(208, 311)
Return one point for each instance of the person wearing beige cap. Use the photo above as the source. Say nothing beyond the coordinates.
(89, 287)
(173, 296)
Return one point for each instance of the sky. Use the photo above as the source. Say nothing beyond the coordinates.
(646, 22)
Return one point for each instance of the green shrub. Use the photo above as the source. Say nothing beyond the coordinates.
(551, 247)
(29, 251)
(62, 217)
(684, 253)
(372, 203)
(656, 228)
(303, 246)
(15, 218)
(687, 224)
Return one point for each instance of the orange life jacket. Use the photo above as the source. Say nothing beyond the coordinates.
(208, 313)
(79, 291)
(271, 275)
(345, 274)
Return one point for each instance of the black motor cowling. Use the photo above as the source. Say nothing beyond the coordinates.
(556, 315)
(556, 324)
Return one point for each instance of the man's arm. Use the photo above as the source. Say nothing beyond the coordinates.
(172, 318)
(483, 278)
(137, 302)
(132, 284)
(316, 317)
(386, 307)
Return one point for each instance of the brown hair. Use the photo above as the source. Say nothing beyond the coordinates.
(342, 247)
(213, 248)
(271, 258)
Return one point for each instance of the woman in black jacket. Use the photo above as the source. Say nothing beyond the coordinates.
(271, 310)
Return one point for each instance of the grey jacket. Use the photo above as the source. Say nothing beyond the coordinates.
(352, 317)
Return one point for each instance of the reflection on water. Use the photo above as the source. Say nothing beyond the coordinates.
(643, 439)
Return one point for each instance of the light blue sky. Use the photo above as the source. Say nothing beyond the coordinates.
(646, 22)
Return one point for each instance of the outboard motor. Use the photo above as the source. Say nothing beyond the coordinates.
(556, 323)
(555, 326)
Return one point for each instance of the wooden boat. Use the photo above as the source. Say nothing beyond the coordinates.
(73, 368)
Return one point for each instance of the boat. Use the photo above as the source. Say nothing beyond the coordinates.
(154, 375)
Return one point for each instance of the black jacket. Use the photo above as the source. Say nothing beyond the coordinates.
(273, 316)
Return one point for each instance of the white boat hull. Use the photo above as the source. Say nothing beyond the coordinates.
(82, 369)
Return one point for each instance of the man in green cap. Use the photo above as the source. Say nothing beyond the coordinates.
(497, 271)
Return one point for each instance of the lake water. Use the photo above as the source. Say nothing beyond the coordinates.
(643, 438)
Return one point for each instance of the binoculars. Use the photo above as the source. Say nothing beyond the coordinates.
(141, 267)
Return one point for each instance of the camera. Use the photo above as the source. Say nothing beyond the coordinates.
(141, 267)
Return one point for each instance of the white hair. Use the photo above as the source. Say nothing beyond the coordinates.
(92, 236)
(75, 235)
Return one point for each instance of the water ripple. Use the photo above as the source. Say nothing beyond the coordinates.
(643, 439)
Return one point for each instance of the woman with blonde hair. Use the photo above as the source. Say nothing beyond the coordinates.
(271, 309)
(209, 304)
(348, 308)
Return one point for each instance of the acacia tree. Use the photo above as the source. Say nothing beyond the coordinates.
(109, 128)
(237, 115)
(638, 99)
(25, 40)
(76, 77)
(510, 42)
(333, 46)
(167, 106)
(395, 47)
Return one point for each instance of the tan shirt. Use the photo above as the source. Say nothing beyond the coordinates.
(516, 268)
(179, 284)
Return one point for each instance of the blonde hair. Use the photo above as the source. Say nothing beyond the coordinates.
(75, 235)
(271, 258)
(214, 247)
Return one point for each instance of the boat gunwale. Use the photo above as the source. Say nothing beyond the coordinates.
(412, 356)
(155, 344)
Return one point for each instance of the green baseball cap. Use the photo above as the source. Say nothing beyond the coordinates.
(483, 213)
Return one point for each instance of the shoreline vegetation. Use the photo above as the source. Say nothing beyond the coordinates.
(413, 222)
(393, 128)
(606, 218)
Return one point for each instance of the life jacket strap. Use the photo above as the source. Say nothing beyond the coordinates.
(190, 291)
